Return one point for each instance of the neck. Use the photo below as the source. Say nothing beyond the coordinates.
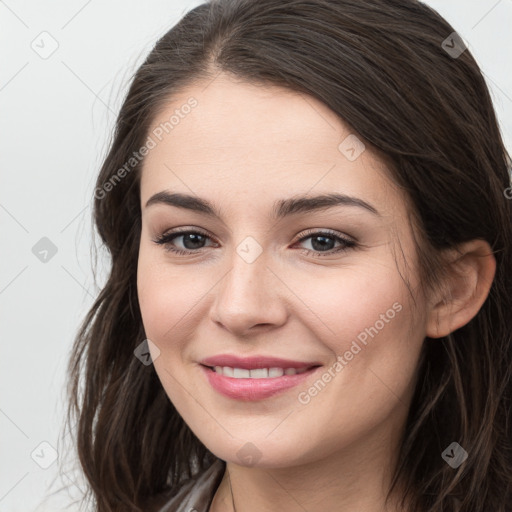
(356, 478)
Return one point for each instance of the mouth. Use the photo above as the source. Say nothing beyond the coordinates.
(257, 373)
(256, 383)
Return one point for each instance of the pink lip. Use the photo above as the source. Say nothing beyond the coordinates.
(251, 363)
(253, 389)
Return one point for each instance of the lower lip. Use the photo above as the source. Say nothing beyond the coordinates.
(254, 389)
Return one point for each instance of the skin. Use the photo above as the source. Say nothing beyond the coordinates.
(242, 148)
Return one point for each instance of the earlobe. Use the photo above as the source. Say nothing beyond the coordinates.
(472, 267)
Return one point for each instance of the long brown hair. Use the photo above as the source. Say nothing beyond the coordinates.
(384, 67)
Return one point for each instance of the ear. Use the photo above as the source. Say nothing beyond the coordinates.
(470, 274)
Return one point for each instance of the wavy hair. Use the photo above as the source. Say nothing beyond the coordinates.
(383, 66)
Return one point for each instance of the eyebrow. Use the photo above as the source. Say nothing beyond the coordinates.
(281, 208)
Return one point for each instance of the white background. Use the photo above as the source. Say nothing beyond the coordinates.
(56, 117)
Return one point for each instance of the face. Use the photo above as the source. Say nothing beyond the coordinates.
(321, 288)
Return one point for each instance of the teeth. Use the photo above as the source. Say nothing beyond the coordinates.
(227, 371)
(257, 373)
(276, 372)
(240, 373)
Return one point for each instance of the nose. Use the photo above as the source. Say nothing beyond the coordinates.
(249, 298)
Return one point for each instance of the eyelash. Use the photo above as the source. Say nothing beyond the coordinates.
(166, 238)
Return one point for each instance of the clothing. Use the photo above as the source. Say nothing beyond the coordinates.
(196, 494)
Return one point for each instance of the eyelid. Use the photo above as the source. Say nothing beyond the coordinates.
(347, 242)
(327, 231)
(171, 234)
(299, 237)
(187, 229)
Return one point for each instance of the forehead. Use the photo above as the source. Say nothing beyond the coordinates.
(259, 142)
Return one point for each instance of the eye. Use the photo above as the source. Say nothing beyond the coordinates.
(192, 240)
(322, 242)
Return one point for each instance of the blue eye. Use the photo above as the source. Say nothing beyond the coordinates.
(195, 239)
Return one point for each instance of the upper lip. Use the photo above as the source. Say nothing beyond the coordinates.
(254, 362)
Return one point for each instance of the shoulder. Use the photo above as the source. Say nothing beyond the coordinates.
(196, 494)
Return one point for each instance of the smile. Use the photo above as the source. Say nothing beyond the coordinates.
(257, 373)
(255, 384)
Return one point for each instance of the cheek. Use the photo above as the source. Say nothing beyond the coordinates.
(174, 301)
(345, 302)
(165, 301)
(165, 294)
(166, 298)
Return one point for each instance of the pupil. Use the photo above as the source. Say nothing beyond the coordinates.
(194, 237)
(326, 242)
(321, 245)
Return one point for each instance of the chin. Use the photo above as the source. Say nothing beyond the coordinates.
(260, 454)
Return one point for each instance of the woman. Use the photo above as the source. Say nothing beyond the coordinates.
(309, 295)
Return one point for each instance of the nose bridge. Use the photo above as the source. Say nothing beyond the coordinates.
(245, 296)
(246, 281)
